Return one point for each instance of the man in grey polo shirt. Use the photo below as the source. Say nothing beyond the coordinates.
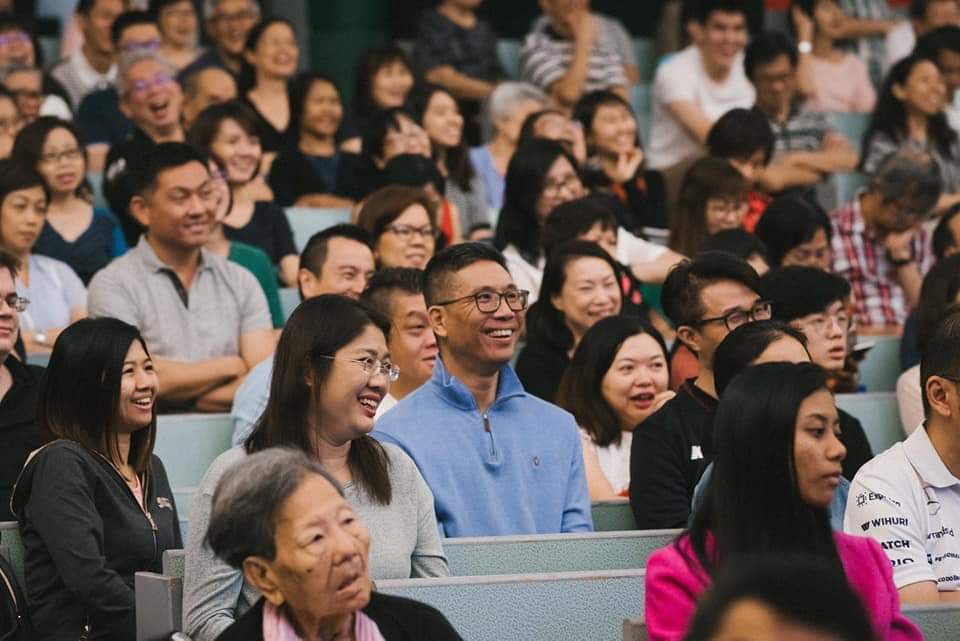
(205, 320)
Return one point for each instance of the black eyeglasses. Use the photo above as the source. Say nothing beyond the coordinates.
(489, 302)
(762, 310)
(17, 303)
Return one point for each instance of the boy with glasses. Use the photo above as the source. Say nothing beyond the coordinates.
(879, 243)
(498, 460)
(816, 302)
(706, 299)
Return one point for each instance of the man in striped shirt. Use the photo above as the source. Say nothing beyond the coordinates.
(575, 52)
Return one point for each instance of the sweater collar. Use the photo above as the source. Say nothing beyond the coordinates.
(452, 389)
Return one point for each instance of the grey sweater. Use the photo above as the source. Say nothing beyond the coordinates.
(404, 537)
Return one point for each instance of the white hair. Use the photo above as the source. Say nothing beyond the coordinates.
(507, 95)
(129, 60)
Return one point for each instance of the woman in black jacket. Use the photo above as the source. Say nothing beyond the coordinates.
(282, 518)
(94, 505)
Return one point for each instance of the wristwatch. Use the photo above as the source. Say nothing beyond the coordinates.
(804, 46)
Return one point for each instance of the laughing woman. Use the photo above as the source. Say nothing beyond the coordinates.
(331, 371)
(94, 506)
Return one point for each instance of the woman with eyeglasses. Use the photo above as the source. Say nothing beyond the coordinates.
(57, 295)
(817, 303)
(331, 371)
(541, 175)
(75, 232)
(713, 197)
(402, 222)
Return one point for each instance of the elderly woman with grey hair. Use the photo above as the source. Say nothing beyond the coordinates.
(507, 107)
(879, 241)
(330, 373)
(283, 520)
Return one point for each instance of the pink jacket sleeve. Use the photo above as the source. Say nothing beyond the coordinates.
(672, 590)
(896, 627)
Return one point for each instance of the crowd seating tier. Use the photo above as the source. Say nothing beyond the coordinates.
(878, 414)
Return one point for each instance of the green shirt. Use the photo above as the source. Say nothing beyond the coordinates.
(257, 263)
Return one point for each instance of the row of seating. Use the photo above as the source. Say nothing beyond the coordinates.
(590, 605)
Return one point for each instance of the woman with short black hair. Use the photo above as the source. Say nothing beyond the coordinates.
(796, 231)
(94, 506)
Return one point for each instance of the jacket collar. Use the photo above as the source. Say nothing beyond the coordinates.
(925, 460)
(453, 391)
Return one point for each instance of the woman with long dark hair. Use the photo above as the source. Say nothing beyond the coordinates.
(910, 114)
(330, 372)
(581, 285)
(541, 175)
(94, 506)
(617, 378)
(384, 77)
(777, 463)
(438, 113)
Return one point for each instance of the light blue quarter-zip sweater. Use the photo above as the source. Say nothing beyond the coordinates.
(517, 469)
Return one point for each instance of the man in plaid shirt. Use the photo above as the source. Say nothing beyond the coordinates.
(879, 243)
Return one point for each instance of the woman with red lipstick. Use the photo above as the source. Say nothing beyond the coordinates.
(581, 285)
(815, 302)
(57, 293)
(331, 371)
(75, 232)
(777, 463)
(620, 379)
(94, 506)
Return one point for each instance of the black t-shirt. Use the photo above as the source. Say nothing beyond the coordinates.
(441, 42)
(294, 174)
(540, 366)
(100, 119)
(667, 458)
(271, 138)
(18, 431)
(268, 229)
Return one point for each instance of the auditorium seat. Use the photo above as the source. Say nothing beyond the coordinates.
(509, 53)
(851, 125)
(480, 556)
(880, 369)
(95, 178)
(878, 413)
(306, 221)
(12, 547)
(641, 98)
(188, 443)
(612, 516)
(646, 57)
(289, 299)
(562, 606)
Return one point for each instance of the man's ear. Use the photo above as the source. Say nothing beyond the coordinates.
(259, 572)
(307, 281)
(438, 321)
(140, 210)
(939, 395)
(689, 337)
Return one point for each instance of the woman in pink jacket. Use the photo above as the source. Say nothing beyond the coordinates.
(777, 463)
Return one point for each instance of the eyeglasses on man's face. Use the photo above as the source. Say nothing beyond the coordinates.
(488, 301)
(761, 310)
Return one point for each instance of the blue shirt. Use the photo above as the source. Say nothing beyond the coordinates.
(493, 181)
(99, 243)
(516, 469)
(251, 399)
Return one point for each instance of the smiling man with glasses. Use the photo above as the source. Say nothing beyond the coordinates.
(19, 384)
(227, 22)
(498, 460)
(706, 299)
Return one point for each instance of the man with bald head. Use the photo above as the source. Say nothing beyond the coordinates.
(208, 86)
